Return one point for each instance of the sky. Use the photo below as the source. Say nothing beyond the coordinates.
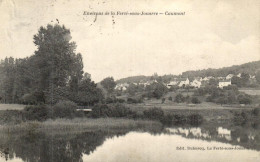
(211, 34)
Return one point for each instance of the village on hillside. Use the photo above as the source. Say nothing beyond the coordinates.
(197, 82)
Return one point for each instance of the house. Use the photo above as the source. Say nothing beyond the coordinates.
(207, 78)
(224, 83)
(183, 82)
(252, 76)
(239, 75)
(172, 83)
(196, 83)
(229, 76)
(122, 86)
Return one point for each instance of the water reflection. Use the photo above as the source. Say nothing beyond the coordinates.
(40, 147)
(131, 146)
(144, 147)
(248, 138)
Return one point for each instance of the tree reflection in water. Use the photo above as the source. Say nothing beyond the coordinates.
(34, 147)
(237, 135)
(68, 146)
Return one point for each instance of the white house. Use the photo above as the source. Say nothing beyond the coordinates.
(196, 83)
(224, 83)
(229, 76)
(172, 83)
(122, 86)
(207, 78)
(252, 76)
(183, 81)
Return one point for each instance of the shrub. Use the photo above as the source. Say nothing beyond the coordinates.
(170, 98)
(163, 100)
(36, 112)
(222, 100)
(244, 99)
(209, 99)
(168, 120)
(120, 100)
(179, 119)
(100, 110)
(29, 99)
(256, 111)
(133, 100)
(195, 100)
(109, 100)
(119, 110)
(195, 119)
(154, 114)
(64, 109)
(115, 110)
(179, 98)
(240, 118)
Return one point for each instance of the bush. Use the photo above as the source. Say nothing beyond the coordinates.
(240, 118)
(36, 112)
(195, 100)
(170, 98)
(179, 119)
(163, 100)
(154, 114)
(29, 99)
(244, 99)
(179, 98)
(64, 109)
(115, 110)
(168, 120)
(119, 110)
(109, 100)
(256, 111)
(222, 100)
(195, 119)
(100, 110)
(120, 100)
(133, 100)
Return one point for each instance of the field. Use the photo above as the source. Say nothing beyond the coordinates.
(11, 107)
(81, 124)
(170, 105)
(250, 91)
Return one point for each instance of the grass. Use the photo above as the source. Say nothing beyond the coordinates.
(11, 107)
(84, 124)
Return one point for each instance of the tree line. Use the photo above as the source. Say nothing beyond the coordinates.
(54, 72)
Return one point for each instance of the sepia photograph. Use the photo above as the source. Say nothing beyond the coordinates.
(129, 81)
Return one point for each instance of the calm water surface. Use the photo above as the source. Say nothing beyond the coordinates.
(173, 144)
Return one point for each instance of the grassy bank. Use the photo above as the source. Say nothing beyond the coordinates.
(83, 124)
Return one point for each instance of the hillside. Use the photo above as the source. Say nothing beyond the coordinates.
(133, 79)
(249, 68)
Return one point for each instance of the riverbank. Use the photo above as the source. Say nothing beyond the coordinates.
(83, 124)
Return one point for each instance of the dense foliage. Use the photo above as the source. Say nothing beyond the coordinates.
(54, 72)
(112, 110)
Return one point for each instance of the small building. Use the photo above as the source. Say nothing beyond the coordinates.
(172, 83)
(122, 86)
(207, 78)
(196, 83)
(224, 83)
(183, 82)
(229, 76)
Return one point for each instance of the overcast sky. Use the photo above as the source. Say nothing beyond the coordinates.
(213, 33)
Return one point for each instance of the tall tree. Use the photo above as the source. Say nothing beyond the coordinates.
(109, 84)
(56, 57)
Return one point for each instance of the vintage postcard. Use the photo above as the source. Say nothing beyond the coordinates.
(129, 81)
